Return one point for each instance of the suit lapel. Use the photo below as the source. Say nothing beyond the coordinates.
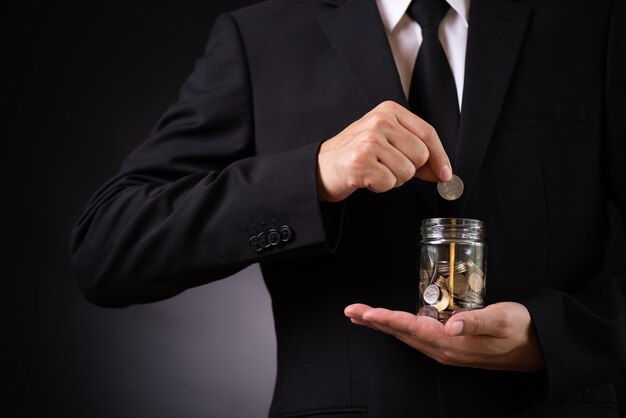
(356, 32)
(496, 31)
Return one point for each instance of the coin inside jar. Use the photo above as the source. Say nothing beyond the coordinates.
(443, 302)
(452, 189)
(460, 284)
(432, 294)
(429, 311)
(476, 281)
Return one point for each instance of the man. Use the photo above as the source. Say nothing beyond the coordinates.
(292, 145)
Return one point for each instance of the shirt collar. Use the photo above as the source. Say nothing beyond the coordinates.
(391, 11)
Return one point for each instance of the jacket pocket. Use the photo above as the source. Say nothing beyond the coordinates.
(538, 117)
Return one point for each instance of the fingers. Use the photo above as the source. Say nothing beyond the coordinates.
(396, 323)
(356, 310)
(438, 160)
(382, 150)
(398, 163)
(355, 313)
(393, 321)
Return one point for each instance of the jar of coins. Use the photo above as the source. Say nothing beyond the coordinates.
(452, 267)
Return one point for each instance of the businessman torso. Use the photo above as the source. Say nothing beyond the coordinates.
(530, 152)
(280, 77)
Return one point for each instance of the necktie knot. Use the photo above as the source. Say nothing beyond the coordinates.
(428, 12)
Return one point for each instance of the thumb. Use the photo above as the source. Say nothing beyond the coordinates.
(476, 322)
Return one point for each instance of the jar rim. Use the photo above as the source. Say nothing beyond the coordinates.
(453, 221)
(453, 228)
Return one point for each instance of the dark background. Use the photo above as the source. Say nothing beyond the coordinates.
(83, 84)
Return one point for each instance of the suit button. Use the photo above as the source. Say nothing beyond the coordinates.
(263, 240)
(254, 244)
(285, 233)
(273, 237)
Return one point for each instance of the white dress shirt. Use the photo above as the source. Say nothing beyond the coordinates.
(405, 38)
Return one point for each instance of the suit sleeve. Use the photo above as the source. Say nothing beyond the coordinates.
(583, 335)
(186, 203)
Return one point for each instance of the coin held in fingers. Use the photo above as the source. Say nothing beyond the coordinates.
(451, 190)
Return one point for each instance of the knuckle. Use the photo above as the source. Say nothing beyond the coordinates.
(356, 161)
(364, 149)
(378, 121)
(353, 182)
(387, 104)
(370, 184)
(360, 154)
(429, 133)
(388, 183)
(406, 174)
(381, 184)
(410, 170)
(369, 140)
(422, 155)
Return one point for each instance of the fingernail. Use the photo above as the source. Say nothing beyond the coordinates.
(456, 328)
(446, 173)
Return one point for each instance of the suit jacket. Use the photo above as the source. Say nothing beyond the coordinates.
(541, 145)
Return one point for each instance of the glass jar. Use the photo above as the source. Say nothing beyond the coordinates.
(453, 266)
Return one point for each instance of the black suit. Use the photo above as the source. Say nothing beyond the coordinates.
(540, 149)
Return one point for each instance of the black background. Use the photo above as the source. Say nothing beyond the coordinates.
(83, 84)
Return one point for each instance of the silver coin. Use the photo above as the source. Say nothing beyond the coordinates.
(431, 294)
(443, 267)
(451, 190)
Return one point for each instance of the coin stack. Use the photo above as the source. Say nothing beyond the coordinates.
(445, 290)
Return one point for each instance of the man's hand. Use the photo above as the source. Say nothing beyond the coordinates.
(382, 150)
(498, 337)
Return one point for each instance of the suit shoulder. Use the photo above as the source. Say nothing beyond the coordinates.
(276, 12)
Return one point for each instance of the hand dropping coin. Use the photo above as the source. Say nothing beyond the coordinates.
(451, 190)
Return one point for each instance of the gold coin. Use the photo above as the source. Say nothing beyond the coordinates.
(460, 285)
(441, 281)
(443, 302)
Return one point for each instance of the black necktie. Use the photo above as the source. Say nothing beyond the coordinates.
(432, 95)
